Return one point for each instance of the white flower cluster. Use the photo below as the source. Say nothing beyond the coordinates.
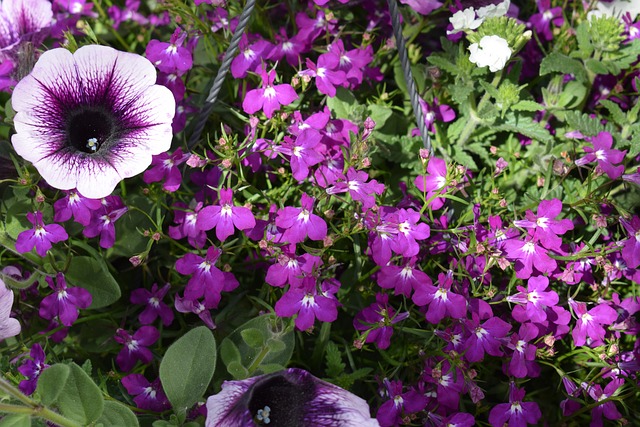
(493, 51)
(470, 19)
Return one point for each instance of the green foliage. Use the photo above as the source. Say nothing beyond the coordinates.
(93, 275)
(72, 392)
(116, 414)
(336, 368)
(261, 345)
(187, 368)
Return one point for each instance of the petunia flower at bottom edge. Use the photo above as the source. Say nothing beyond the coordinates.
(289, 398)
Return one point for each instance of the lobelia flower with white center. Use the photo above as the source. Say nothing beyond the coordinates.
(492, 51)
(290, 398)
(89, 119)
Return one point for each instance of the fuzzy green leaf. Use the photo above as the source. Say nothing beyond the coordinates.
(524, 125)
(16, 420)
(115, 414)
(617, 115)
(187, 367)
(93, 275)
(526, 105)
(556, 62)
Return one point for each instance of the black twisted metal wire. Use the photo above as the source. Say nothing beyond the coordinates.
(408, 75)
(222, 73)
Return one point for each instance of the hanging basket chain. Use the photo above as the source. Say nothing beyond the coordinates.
(408, 75)
(222, 73)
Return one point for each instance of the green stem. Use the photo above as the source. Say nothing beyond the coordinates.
(474, 120)
(31, 407)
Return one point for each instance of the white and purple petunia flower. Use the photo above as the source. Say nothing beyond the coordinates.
(23, 21)
(292, 397)
(89, 119)
(9, 327)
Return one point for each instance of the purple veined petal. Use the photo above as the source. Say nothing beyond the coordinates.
(103, 118)
(289, 397)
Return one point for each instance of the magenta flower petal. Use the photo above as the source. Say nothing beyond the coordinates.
(89, 119)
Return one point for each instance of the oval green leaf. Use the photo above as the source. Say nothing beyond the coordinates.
(187, 368)
(93, 275)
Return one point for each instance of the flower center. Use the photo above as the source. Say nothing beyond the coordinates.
(263, 415)
(280, 400)
(89, 129)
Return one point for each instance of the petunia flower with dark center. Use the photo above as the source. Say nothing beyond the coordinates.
(290, 398)
(89, 119)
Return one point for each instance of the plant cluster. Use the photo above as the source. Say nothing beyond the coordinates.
(311, 259)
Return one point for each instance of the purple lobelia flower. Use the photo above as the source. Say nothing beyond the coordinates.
(433, 182)
(360, 190)
(9, 327)
(400, 404)
(89, 119)
(76, 205)
(441, 301)
(164, 167)
(290, 268)
(170, 57)
(404, 279)
(547, 15)
(225, 216)
(290, 398)
(326, 73)
(135, 346)
(303, 151)
(298, 224)
(184, 305)
(31, 369)
(149, 396)
(103, 221)
(516, 413)
(154, 307)
(534, 299)
(41, 236)
(186, 225)
(606, 409)
(524, 353)
(269, 97)
(546, 228)
(631, 246)
(308, 304)
(378, 320)
(528, 254)
(485, 337)
(608, 159)
(23, 21)
(207, 280)
(590, 323)
(249, 57)
(64, 303)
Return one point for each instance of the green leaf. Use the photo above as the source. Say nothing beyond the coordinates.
(243, 360)
(588, 126)
(464, 159)
(490, 89)
(524, 125)
(335, 365)
(93, 275)
(617, 115)
(343, 104)
(379, 114)
(443, 64)
(460, 92)
(556, 62)
(572, 95)
(77, 397)
(16, 420)
(51, 381)
(115, 414)
(187, 367)
(596, 66)
(253, 337)
(526, 105)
